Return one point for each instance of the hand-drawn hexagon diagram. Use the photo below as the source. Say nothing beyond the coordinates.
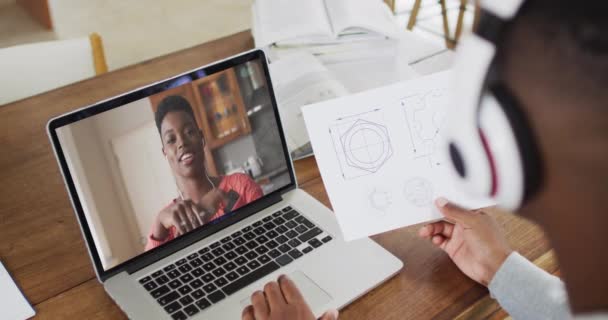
(366, 146)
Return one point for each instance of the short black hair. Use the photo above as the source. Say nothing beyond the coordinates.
(584, 22)
(579, 29)
(172, 103)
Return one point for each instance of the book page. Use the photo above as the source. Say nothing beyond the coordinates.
(380, 155)
(282, 20)
(357, 16)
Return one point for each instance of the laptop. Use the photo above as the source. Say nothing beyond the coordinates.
(187, 200)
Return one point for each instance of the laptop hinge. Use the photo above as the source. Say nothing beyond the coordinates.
(188, 239)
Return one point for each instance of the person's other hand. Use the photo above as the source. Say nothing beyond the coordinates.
(472, 239)
(184, 215)
(280, 301)
(211, 201)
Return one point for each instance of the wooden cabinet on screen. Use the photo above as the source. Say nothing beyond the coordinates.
(223, 114)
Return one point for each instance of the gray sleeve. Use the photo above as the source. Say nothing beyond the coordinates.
(526, 291)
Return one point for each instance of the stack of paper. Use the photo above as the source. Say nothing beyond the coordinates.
(331, 30)
(300, 79)
(323, 49)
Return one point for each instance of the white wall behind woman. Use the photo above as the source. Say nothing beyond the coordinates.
(146, 175)
(135, 158)
(95, 187)
(106, 197)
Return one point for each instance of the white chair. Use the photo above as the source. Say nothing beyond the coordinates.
(29, 69)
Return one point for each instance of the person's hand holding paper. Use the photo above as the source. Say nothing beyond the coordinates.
(378, 155)
(472, 239)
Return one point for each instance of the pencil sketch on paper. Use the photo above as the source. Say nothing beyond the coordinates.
(380, 160)
(362, 143)
(424, 115)
(418, 192)
(380, 199)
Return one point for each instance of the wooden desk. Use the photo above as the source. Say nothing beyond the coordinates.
(41, 244)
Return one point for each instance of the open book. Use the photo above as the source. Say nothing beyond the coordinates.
(306, 22)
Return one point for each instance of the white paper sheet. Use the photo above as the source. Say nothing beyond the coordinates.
(378, 155)
(12, 302)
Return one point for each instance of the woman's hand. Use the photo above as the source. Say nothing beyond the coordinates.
(211, 201)
(280, 301)
(472, 239)
(184, 215)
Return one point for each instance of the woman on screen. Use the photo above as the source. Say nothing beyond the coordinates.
(202, 198)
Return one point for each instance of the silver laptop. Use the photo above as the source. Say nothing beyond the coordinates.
(188, 203)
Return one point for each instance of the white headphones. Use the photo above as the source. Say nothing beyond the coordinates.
(488, 140)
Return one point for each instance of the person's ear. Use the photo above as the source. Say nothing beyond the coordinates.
(202, 137)
(164, 153)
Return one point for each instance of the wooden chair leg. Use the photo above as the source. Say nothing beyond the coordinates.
(463, 8)
(99, 57)
(391, 4)
(414, 15)
(476, 14)
(446, 26)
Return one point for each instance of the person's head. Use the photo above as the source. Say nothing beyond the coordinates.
(554, 59)
(182, 140)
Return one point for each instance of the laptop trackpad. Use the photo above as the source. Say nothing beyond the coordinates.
(314, 295)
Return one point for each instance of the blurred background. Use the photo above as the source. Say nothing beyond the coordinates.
(132, 30)
(135, 30)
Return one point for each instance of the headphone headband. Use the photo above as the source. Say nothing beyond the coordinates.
(488, 139)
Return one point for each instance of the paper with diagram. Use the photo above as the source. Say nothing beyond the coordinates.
(378, 155)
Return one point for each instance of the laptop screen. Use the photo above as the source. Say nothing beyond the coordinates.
(186, 156)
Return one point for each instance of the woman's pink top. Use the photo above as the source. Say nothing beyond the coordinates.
(241, 183)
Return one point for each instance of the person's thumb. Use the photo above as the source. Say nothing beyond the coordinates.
(452, 212)
(330, 315)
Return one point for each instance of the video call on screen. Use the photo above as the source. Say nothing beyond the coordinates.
(129, 176)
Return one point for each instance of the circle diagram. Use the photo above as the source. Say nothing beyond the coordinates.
(380, 199)
(366, 145)
(418, 191)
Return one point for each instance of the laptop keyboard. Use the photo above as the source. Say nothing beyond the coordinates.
(195, 282)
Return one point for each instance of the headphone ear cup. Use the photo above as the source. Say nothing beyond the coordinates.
(502, 152)
(510, 148)
(462, 146)
(529, 152)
